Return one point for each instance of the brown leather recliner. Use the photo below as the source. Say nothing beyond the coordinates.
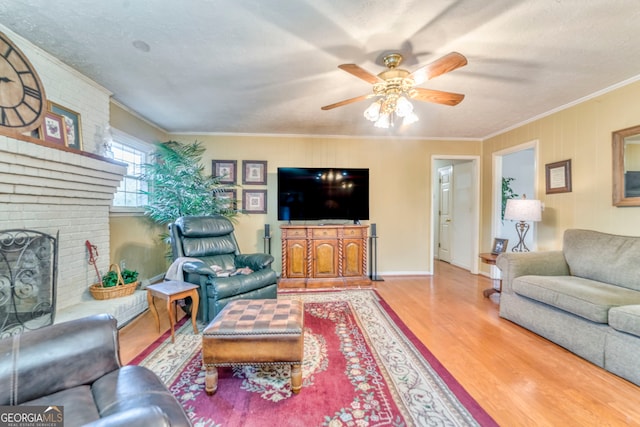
(211, 250)
(76, 365)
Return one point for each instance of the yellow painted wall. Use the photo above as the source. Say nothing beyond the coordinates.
(581, 133)
(136, 241)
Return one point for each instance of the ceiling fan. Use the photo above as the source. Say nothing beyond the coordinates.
(394, 87)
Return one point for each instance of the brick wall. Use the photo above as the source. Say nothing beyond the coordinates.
(52, 190)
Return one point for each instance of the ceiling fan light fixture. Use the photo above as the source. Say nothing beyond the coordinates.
(372, 113)
(395, 89)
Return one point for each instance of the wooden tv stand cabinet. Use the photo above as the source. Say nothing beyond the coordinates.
(324, 256)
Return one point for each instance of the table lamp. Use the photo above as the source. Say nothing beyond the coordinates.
(522, 210)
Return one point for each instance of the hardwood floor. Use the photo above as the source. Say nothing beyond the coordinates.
(519, 378)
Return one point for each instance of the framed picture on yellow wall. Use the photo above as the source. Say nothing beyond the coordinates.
(224, 170)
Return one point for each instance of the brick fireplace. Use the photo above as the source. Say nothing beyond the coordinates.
(53, 190)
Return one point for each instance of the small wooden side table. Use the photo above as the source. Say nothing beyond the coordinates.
(172, 291)
(489, 258)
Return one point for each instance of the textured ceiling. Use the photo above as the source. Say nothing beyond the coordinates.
(266, 67)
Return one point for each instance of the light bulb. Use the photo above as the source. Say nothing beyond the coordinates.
(383, 121)
(403, 107)
(410, 118)
(372, 113)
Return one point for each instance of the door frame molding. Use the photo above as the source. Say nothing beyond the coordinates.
(475, 226)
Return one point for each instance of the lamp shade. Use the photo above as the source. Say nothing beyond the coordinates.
(523, 210)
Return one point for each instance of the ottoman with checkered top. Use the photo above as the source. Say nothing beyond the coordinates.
(255, 332)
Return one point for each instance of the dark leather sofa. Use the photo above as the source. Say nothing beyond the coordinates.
(76, 365)
(208, 242)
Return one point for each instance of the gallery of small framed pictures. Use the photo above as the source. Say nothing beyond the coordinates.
(254, 173)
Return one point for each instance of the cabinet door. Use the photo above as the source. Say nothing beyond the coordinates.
(296, 258)
(325, 258)
(352, 252)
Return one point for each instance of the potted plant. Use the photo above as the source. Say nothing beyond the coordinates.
(111, 278)
(178, 185)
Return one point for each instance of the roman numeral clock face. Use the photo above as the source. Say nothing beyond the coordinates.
(22, 99)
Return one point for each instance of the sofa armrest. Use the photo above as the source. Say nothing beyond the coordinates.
(57, 357)
(547, 263)
(138, 417)
(198, 267)
(254, 261)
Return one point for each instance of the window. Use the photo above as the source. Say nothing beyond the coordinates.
(133, 152)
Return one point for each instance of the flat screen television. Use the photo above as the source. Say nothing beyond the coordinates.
(323, 194)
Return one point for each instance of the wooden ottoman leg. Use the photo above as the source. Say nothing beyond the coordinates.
(296, 378)
(211, 380)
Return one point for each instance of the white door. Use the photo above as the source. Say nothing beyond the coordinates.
(444, 245)
(463, 203)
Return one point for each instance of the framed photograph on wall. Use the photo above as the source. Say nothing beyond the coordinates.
(225, 170)
(254, 201)
(254, 172)
(53, 128)
(72, 126)
(499, 246)
(558, 177)
(228, 198)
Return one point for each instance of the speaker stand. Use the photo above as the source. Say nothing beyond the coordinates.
(267, 245)
(373, 256)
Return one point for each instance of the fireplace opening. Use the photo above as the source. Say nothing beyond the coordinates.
(28, 277)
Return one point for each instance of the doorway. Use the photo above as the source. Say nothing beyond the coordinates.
(519, 165)
(455, 210)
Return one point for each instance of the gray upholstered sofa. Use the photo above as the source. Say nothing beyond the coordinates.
(585, 297)
(76, 365)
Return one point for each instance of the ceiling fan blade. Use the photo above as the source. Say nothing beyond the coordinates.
(347, 101)
(360, 73)
(437, 96)
(438, 67)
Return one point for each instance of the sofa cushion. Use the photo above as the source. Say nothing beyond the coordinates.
(625, 319)
(583, 297)
(79, 407)
(607, 258)
(204, 226)
(132, 387)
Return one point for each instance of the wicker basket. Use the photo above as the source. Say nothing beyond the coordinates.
(120, 290)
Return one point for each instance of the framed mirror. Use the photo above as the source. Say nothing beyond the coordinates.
(626, 167)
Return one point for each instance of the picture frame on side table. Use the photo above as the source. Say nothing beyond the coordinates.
(499, 246)
(558, 177)
(254, 172)
(53, 128)
(72, 125)
(254, 201)
(224, 170)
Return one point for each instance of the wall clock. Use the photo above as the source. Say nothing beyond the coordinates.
(22, 98)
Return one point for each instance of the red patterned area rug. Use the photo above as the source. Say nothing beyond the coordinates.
(362, 367)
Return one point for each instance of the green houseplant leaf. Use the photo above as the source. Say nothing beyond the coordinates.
(129, 276)
(110, 279)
